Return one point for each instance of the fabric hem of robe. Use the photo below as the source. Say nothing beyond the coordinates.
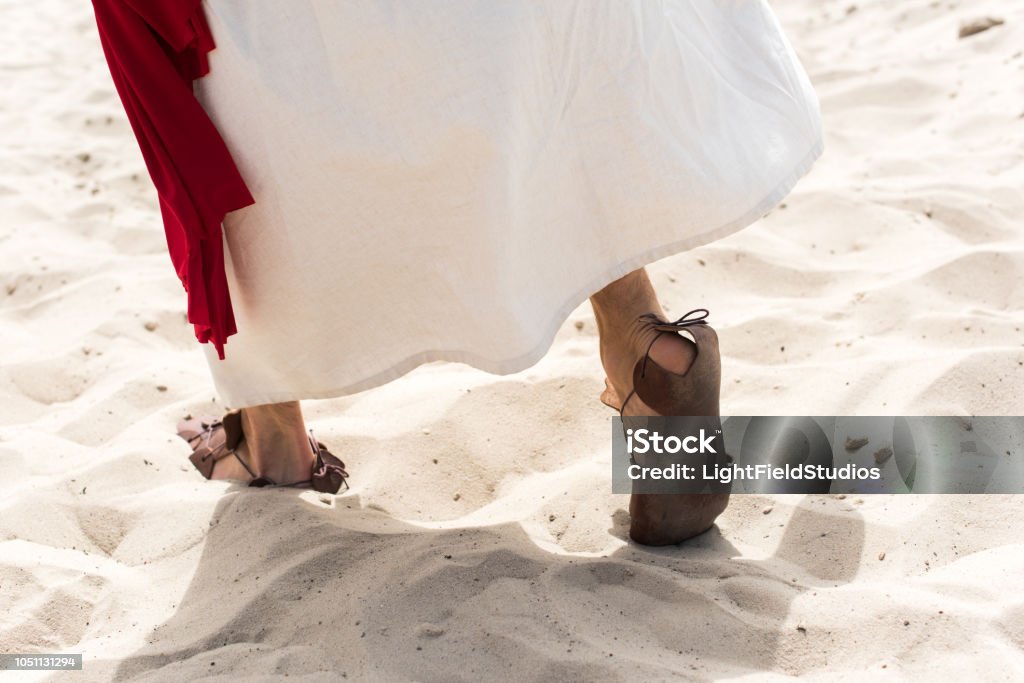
(524, 361)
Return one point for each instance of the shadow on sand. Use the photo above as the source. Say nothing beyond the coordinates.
(287, 584)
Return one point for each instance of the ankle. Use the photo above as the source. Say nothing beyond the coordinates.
(621, 345)
(279, 466)
(276, 445)
(619, 310)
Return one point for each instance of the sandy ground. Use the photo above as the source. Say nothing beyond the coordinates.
(480, 539)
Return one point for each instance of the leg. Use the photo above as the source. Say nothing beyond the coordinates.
(276, 445)
(655, 519)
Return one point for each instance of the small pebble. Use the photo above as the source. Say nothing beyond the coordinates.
(429, 631)
(881, 556)
(975, 26)
(767, 510)
(883, 454)
(854, 444)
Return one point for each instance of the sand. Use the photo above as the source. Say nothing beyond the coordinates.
(480, 539)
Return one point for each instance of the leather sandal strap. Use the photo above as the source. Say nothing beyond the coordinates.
(245, 465)
(328, 473)
(683, 322)
(216, 439)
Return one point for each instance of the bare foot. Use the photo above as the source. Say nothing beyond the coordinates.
(230, 468)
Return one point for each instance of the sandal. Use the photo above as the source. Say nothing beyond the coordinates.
(696, 392)
(670, 518)
(214, 438)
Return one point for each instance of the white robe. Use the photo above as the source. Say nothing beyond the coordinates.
(448, 180)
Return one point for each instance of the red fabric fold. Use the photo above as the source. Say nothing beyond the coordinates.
(155, 49)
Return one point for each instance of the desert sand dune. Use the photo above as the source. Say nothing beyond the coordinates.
(480, 538)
